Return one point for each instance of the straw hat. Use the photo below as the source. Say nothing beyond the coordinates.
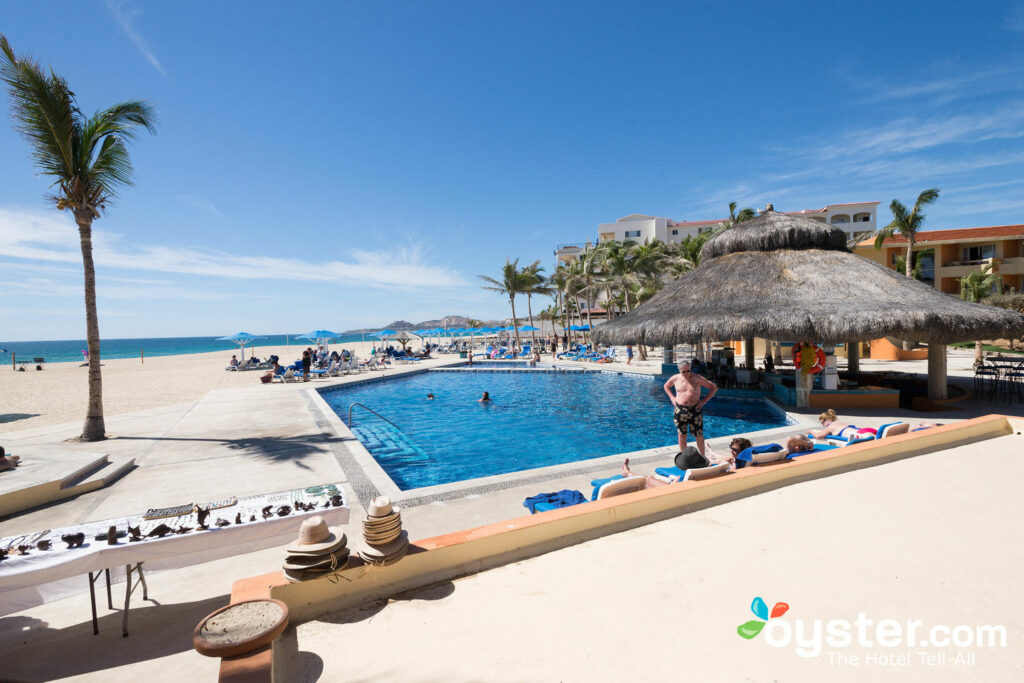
(387, 552)
(338, 559)
(316, 538)
(379, 507)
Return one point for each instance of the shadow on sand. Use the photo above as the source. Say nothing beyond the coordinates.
(274, 448)
(155, 630)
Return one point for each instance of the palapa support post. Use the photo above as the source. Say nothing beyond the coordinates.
(804, 384)
(853, 356)
(748, 352)
(668, 361)
(937, 386)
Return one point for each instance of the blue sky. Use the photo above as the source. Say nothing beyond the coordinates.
(342, 165)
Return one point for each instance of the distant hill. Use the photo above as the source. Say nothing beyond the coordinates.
(405, 325)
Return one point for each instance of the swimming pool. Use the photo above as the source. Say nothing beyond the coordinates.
(537, 419)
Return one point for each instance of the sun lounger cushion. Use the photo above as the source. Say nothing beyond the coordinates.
(892, 429)
(553, 501)
(621, 485)
(598, 483)
(697, 473)
(667, 473)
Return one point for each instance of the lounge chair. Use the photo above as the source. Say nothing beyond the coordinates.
(286, 376)
(692, 474)
(615, 486)
(326, 372)
(892, 429)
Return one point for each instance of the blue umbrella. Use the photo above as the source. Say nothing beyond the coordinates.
(321, 337)
(241, 338)
(529, 328)
(579, 328)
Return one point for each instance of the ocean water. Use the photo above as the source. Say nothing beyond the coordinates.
(537, 419)
(70, 350)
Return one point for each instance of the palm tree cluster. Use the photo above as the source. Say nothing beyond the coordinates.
(621, 275)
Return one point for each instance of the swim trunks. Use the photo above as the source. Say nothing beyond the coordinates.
(692, 417)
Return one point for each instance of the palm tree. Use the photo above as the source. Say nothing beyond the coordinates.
(906, 224)
(538, 284)
(585, 272)
(88, 161)
(974, 287)
(513, 281)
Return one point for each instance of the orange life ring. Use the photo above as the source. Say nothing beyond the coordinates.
(809, 357)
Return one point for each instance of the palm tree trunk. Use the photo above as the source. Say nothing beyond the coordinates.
(94, 428)
(907, 343)
(515, 323)
(529, 309)
(979, 351)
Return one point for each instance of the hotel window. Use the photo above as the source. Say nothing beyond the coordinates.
(862, 218)
(675, 232)
(979, 253)
(632, 233)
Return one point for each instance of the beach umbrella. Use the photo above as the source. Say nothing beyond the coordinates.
(579, 328)
(242, 339)
(321, 337)
(792, 278)
(528, 328)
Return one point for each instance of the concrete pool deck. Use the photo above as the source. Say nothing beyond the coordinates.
(249, 440)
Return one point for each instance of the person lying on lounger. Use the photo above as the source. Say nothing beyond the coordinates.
(8, 462)
(831, 426)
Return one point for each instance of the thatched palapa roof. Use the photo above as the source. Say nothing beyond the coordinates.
(793, 278)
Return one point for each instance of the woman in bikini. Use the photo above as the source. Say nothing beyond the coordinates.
(831, 426)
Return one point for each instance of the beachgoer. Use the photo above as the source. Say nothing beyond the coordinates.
(629, 354)
(769, 362)
(430, 397)
(8, 462)
(799, 444)
(535, 358)
(831, 426)
(486, 398)
(688, 406)
(307, 361)
(234, 362)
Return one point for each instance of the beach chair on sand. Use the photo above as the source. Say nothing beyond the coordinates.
(287, 376)
(615, 486)
(326, 372)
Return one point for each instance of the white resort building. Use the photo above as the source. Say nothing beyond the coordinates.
(857, 219)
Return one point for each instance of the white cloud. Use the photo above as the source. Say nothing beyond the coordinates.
(124, 14)
(45, 237)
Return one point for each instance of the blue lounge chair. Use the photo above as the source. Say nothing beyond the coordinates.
(892, 429)
(692, 474)
(614, 486)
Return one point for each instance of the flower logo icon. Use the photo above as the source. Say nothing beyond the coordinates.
(760, 610)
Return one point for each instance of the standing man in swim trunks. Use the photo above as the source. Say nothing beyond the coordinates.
(689, 406)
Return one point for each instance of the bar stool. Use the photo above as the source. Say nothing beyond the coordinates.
(1013, 385)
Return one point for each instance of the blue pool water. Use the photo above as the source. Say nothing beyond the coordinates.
(537, 419)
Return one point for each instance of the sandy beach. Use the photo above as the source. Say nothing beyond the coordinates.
(59, 392)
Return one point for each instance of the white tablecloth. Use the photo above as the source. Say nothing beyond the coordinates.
(46, 575)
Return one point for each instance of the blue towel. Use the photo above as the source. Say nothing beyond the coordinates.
(746, 454)
(818, 448)
(670, 472)
(552, 501)
(598, 483)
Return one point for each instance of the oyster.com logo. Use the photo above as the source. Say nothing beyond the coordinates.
(760, 610)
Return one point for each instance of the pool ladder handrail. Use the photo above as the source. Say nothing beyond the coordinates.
(372, 411)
